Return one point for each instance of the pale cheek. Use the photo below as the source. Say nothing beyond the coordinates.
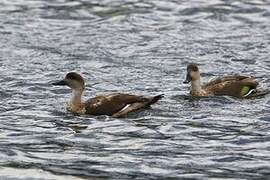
(193, 75)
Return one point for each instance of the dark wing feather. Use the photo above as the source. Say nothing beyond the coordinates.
(110, 104)
(230, 85)
(138, 105)
(224, 79)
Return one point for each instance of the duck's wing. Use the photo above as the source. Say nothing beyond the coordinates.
(138, 105)
(225, 79)
(114, 103)
(237, 86)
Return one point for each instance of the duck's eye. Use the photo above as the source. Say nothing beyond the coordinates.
(192, 67)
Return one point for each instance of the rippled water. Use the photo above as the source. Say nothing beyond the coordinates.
(141, 47)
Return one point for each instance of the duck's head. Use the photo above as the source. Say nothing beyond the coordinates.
(72, 80)
(193, 73)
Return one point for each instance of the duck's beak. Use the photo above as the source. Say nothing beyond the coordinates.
(59, 83)
(188, 79)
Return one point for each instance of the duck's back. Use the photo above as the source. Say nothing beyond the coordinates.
(110, 104)
(231, 85)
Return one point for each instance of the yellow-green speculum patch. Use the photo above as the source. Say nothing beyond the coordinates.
(244, 90)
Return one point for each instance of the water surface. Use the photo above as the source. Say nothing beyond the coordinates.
(140, 47)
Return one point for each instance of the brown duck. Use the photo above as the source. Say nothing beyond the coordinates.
(236, 86)
(116, 104)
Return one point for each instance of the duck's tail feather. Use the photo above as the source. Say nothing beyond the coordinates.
(155, 99)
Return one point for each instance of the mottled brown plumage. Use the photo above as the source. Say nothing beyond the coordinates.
(116, 104)
(227, 85)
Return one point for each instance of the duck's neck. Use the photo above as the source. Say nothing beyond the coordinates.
(196, 86)
(76, 98)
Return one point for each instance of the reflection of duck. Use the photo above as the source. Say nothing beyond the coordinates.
(237, 86)
(116, 105)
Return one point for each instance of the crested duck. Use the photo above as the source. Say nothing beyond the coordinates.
(236, 86)
(115, 105)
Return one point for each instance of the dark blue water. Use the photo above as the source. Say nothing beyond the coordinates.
(140, 47)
